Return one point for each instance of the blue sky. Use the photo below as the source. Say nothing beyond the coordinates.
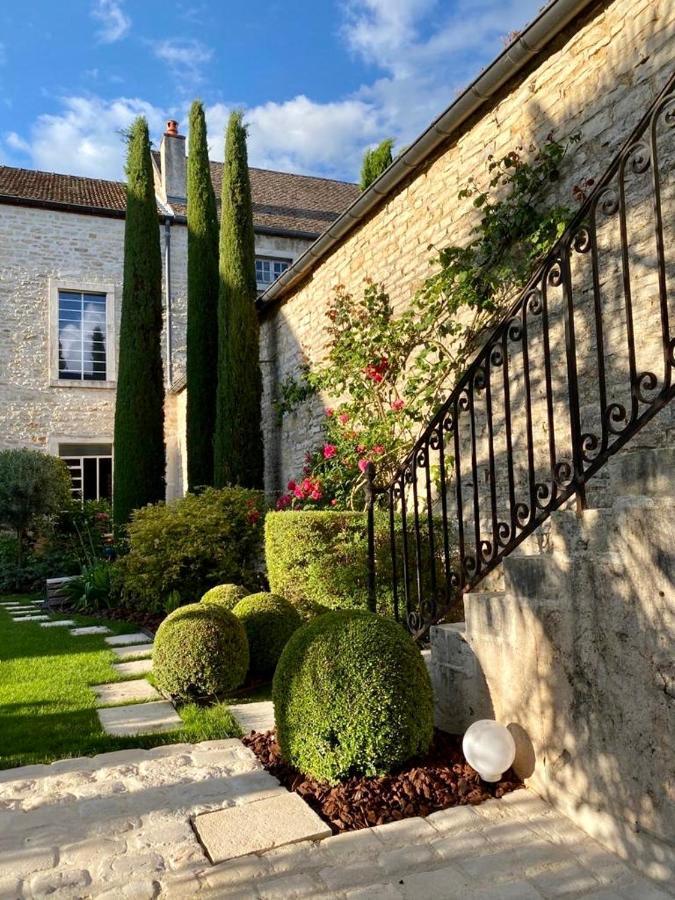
(320, 81)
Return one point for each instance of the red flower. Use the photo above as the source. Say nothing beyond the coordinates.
(253, 516)
(360, 449)
(397, 405)
(329, 451)
(376, 371)
(378, 448)
(333, 502)
(284, 502)
(363, 464)
(316, 495)
(329, 412)
(291, 485)
(344, 418)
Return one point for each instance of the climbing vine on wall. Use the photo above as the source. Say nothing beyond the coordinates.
(393, 369)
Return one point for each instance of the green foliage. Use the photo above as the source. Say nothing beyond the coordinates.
(318, 560)
(227, 595)
(200, 652)
(375, 161)
(269, 622)
(139, 409)
(291, 392)
(91, 591)
(352, 696)
(33, 487)
(238, 449)
(202, 305)
(189, 545)
(393, 369)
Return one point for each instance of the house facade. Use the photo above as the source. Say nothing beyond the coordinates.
(61, 268)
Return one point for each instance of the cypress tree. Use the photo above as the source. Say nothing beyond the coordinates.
(202, 305)
(238, 451)
(375, 161)
(139, 411)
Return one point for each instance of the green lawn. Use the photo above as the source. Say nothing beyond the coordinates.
(47, 710)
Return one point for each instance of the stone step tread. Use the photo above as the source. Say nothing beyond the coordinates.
(30, 619)
(121, 640)
(58, 623)
(134, 668)
(139, 718)
(258, 826)
(125, 692)
(89, 629)
(132, 651)
(254, 716)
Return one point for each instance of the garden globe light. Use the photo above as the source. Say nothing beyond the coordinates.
(489, 748)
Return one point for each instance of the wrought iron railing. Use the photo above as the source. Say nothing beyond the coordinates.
(580, 364)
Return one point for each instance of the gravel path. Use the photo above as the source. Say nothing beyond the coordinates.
(118, 826)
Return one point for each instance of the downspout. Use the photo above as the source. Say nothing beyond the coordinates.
(167, 292)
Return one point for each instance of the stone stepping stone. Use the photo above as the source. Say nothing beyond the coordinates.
(23, 609)
(31, 619)
(254, 716)
(58, 624)
(132, 650)
(125, 692)
(121, 640)
(133, 668)
(255, 827)
(141, 718)
(90, 629)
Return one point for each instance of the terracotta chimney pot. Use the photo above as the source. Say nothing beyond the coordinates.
(172, 128)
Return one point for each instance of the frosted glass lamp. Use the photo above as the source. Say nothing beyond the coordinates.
(489, 748)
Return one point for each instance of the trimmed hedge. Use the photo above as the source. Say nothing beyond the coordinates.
(352, 696)
(269, 622)
(200, 651)
(225, 595)
(321, 558)
(190, 545)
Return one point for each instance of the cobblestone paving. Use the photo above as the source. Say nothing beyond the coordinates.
(117, 826)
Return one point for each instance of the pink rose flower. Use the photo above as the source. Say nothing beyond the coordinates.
(291, 485)
(397, 405)
(343, 418)
(329, 451)
(378, 448)
(329, 412)
(363, 464)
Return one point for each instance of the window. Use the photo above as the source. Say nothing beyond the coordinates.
(268, 269)
(90, 467)
(82, 336)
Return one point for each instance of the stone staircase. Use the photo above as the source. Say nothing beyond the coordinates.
(571, 646)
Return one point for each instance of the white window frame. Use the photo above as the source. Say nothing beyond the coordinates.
(272, 257)
(84, 287)
(54, 443)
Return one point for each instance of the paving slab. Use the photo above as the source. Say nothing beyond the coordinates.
(58, 623)
(258, 826)
(30, 618)
(254, 716)
(90, 629)
(134, 668)
(141, 718)
(133, 650)
(23, 609)
(125, 692)
(121, 640)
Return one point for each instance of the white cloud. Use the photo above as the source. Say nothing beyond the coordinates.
(85, 139)
(184, 56)
(422, 55)
(115, 24)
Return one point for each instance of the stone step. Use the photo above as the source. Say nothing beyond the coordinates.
(140, 718)
(254, 716)
(30, 619)
(121, 640)
(118, 692)
(134, 668)
(89, 629)
(132, 651)
(59, 623)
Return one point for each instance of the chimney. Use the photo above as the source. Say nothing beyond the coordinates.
(172, 157)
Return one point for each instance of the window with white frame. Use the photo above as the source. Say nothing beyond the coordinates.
(268, 269)
(90, 467)
(82, 336)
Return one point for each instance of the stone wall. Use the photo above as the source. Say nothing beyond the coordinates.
(598, 78)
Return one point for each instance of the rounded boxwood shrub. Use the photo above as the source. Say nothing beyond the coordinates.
(200, 651)
(225, 595)
(269, 622)
(352, 696)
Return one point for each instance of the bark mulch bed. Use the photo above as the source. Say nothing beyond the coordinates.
(438, 780)
(147, 620)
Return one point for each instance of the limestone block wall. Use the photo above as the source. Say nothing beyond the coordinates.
(598, 78)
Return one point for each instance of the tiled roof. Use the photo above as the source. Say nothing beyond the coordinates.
(282, 202)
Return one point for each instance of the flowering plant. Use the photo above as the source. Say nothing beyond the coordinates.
(392, 370)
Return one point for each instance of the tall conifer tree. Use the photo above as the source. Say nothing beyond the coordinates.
(375, 161)
(238, 450)
(202, 305)
(139, 411)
